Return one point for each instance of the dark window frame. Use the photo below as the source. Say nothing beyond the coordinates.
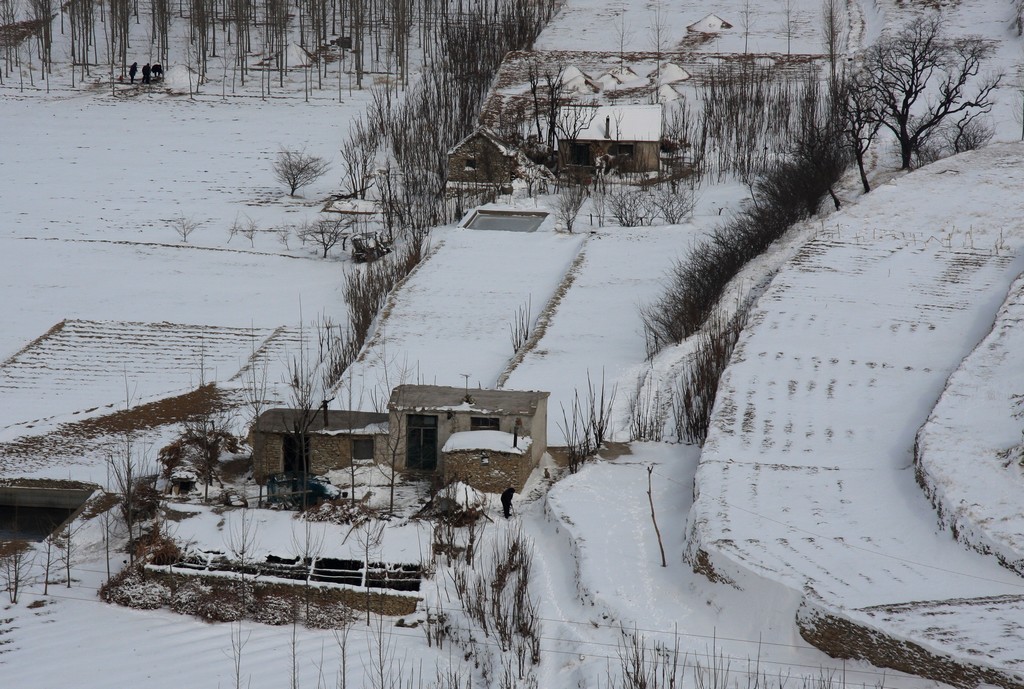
(484, 423)
(361, 440)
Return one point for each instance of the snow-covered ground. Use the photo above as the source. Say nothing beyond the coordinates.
(807, 483)
(968, 455)
(807, 476)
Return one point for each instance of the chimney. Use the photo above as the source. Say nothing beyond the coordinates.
(324, 407)
(607, 126)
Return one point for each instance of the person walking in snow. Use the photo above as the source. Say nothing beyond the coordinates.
(506, 501)
(145, 73)
(133, 70)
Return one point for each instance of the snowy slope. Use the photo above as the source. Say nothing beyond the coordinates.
(807, 475)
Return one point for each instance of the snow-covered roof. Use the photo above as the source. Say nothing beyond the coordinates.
(611, 122)
(709, 24)
(442, 398)
(485, 132)
(495, 441)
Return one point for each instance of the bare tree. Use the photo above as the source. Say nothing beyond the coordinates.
(15, 564)
(242, 541)
(67, 546)
(832, 34)
(185, 226)
(746, 18)
(296, 169)
(127, 468)
(623, 35)
(325, 234)
(918, 78)
(787, 10)
(371, 536)
(859, 121)
(358, 158)
(571, 196)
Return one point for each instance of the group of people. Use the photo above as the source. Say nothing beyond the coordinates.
(155, 71)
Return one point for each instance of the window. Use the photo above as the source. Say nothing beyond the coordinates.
(624, 150)
(483, 423)
(421, 442)
(470, 163)
(362, 449)
(580, 154)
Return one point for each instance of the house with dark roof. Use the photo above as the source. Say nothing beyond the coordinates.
(490, 439)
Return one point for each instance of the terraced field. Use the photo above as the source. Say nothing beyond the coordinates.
(85, 368)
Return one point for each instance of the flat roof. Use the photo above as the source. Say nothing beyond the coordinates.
(443, 398)
(510, 221)
(338, 420)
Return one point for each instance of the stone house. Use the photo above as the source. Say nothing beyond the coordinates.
(332, 440)
(606, 137)
(483, 162)
(491, 439)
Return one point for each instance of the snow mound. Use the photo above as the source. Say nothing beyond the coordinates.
(709, 24)
(671, 73)
(180, 78)
(667, 94)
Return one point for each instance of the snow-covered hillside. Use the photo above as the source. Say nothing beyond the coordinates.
(806, 507)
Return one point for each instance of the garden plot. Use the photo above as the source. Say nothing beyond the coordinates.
(452, 318)
(595, 328)
(80, 367)
(807, 475)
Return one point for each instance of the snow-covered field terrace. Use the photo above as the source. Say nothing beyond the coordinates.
(807, 476)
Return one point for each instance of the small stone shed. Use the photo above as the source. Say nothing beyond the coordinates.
(491, 439)
(483, 160)
(332, 440)
(626, 137)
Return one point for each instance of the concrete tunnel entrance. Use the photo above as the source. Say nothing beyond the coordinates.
(31, 513)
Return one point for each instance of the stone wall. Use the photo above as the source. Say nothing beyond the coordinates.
(327, 452)
(843, 637)
(478, 161)
(501, 471)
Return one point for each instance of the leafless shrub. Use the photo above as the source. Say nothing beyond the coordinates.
(296, 169)
(694, 392)
(631, 207)
(673, 202)
(646, 411)
(578, 442)
(283, 235)
(519, 328)
(325, 233)
(586, 425)
(245, 226)
(571, 196)
(184, 227)
(496, 597)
